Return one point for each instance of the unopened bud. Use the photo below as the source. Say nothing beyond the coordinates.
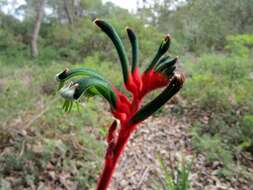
(62, 75)
(165, 44)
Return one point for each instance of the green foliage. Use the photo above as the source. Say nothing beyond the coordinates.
(218, 82)
(13, 38)
(60, 41)
(247, 132)
(47, 158)
(213, 146)
(223, 139)
(27, 103)
(177, 179)
(200, 26)
(10, 45)
(240, 45)
(217, 143)
(215, 81)
(219, 85)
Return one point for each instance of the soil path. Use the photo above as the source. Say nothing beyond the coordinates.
(168, 137)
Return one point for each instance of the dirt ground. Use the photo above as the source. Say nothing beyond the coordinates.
(168, 137)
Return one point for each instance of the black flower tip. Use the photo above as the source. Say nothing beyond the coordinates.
(62, 75)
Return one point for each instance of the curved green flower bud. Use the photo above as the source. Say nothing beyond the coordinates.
(163, 59)
(165, 45)
(161, 66)
(77, 72)
(160, 52)
(113, 35)
(135, 47)
(89, 87)
(169, 72)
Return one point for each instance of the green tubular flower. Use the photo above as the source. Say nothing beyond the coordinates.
(135, 48)
(163, 59)
(166, 67)
(165, 64)
(113, 35)
(90, 84)
(93, 87)
(77, 72)
(165, 45)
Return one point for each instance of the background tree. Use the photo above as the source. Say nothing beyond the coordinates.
(200, 24)
(39, 15)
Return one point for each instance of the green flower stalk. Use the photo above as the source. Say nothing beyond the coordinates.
(160, 73)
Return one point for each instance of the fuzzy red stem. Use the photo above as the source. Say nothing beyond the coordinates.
(109, 167)
(139, 87)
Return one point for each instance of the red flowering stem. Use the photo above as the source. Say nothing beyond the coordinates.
(115, 150)
(125, 110)
(112, 156)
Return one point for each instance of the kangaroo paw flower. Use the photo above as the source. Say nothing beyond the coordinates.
(160, 73)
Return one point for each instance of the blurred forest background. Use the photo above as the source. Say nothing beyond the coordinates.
(39, 38)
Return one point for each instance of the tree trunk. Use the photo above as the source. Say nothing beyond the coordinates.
(67, 11)
(38, 19)
(77, 9)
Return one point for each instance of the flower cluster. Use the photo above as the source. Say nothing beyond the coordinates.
(129, 111)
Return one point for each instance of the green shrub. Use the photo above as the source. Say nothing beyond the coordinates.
(247, 132)
(218, 82)
(219, 87)
(27, 105)
(62, 42)
(215, 148)
(240, 45)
